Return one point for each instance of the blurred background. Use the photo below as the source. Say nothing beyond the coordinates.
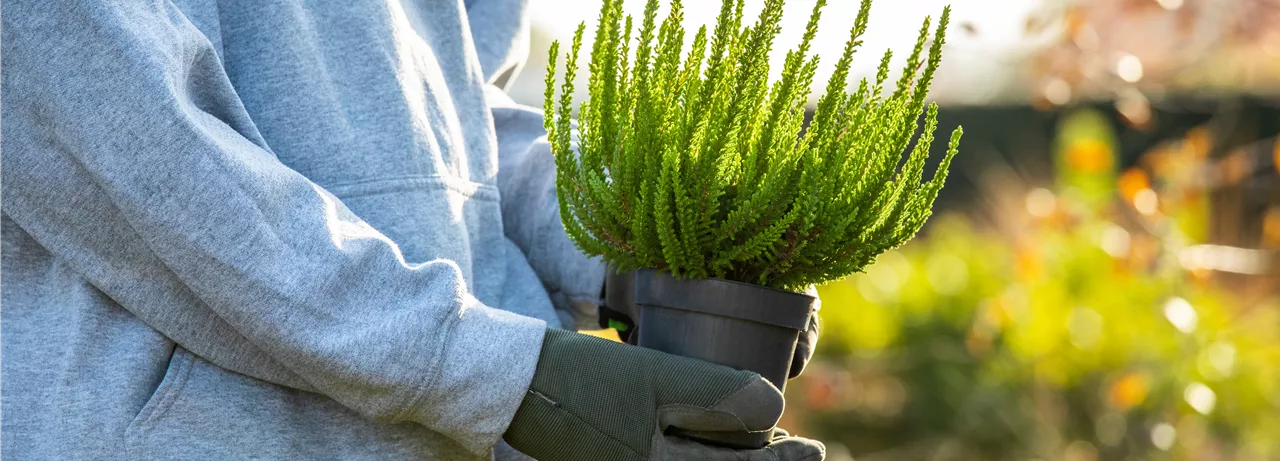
(1101, 277)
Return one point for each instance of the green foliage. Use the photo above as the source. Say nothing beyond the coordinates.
(1073, 334)
(698, 166)
(972, 344)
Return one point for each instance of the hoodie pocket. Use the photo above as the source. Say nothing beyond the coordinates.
(201, 411)
(438, 217)
(171, 385)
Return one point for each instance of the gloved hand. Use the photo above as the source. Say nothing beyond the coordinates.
(808, 339)
(594, 399)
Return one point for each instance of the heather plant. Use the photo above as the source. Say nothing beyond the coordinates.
(693, 163)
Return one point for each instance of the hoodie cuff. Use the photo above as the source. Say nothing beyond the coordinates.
(484, 372)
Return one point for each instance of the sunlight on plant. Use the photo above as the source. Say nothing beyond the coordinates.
(700, 167)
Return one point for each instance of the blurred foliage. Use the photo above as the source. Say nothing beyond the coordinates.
(1129, 50)
(1074, 327)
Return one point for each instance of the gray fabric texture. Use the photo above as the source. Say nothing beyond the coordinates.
(271, 229)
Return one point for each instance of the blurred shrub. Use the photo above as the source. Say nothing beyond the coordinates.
(1073, 333)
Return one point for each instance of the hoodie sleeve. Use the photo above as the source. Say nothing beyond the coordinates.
(500, 32)
(527, 170)
(531, 214)
(121, 158)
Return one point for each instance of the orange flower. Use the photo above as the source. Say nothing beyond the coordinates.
(1131, 182)
(1271, 225)
(1199, 140)
(1089, 156)
(1129, 391)
(1027, 263)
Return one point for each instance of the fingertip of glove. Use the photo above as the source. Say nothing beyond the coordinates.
(758, 404)
(798, 449)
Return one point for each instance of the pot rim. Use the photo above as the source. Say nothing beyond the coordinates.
(724, 298)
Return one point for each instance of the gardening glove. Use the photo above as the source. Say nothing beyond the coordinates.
(808, 339)
(594, 399)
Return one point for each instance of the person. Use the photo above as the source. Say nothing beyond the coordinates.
(285, 229)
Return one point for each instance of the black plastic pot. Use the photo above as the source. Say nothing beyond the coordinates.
(740, 325)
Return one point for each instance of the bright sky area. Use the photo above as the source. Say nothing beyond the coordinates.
(984, 44)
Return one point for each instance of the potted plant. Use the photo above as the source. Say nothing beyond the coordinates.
(700, 184)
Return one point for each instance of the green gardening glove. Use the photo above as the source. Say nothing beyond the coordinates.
(594, 399)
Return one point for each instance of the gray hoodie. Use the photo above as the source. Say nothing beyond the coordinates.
(272, 229)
